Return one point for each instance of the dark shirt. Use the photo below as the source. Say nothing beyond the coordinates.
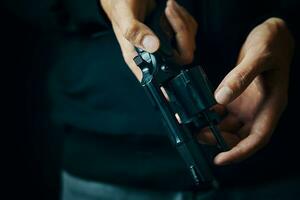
(93, 89)
(112, 131)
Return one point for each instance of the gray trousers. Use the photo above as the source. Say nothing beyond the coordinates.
(75, 188)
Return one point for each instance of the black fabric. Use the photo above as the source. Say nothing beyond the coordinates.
(87, 94)
(92, 90)
(76, 188)
(90, 87)
(125, 160)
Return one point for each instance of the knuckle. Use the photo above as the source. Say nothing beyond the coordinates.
(182, 27)
(131, 32)
(188, 57)
(238, 81)
(274, 24)
(263, 50)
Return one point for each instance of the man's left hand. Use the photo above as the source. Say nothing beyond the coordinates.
(255, 92)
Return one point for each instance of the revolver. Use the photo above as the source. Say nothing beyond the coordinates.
(183, 96)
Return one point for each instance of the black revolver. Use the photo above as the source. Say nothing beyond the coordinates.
(187, 105)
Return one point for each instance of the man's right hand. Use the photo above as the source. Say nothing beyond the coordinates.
(127, 18)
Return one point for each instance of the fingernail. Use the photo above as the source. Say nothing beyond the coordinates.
(224, 95)
(150, 43)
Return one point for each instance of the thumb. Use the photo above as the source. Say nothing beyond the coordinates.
(139, 35)
(238, 79)
(125, 16)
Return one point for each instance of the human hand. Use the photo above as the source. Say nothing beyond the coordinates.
(127, 18)
(255, 92)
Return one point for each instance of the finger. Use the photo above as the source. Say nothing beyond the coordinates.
(219, 109)
(187, 18)
(230, 124)
(141, 36)
(229, 128)
(245, 130)
(260, 132)
(137, 33)
(206, 137)
(185, 39)
(239, 78)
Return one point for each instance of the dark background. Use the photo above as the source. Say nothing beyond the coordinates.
(31, 156)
